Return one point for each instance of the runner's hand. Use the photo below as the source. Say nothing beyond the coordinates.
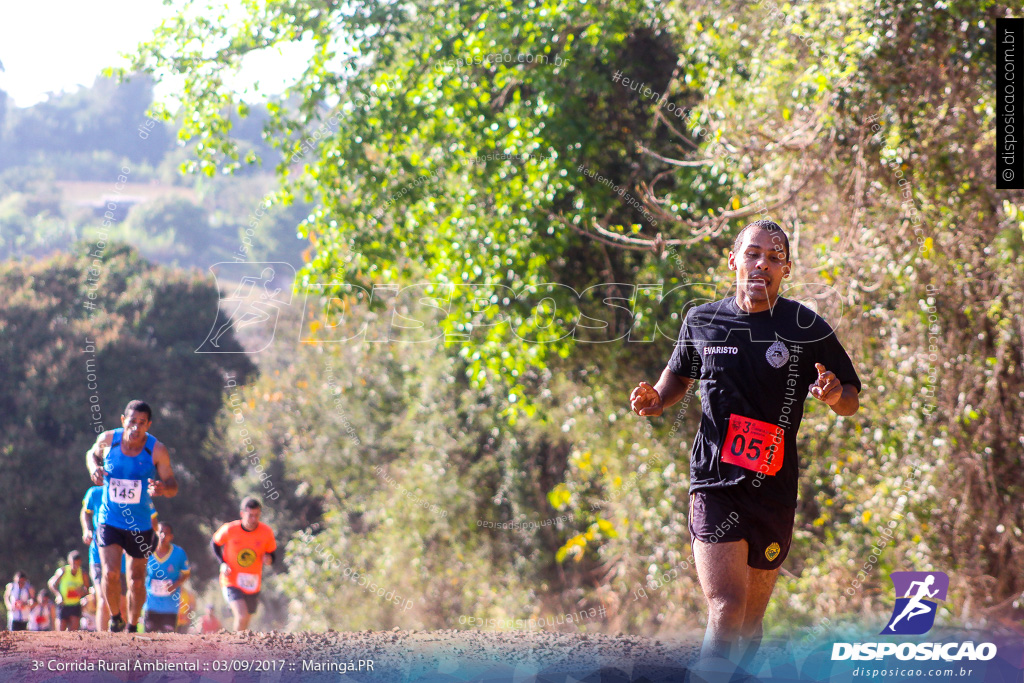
(225, 568)
(87, 537)
(826, 388)
(97, 476)
(645, 400)
(156, 487)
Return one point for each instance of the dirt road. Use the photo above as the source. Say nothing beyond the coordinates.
(405, 656)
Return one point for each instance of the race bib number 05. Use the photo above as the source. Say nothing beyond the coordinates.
(248, 582)
(754, 445)
(125, 490)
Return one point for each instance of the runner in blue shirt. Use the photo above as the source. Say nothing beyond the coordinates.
(131, 466)
(91, 520)
(166, 570)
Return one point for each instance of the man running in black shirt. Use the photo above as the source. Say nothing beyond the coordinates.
(752, 352)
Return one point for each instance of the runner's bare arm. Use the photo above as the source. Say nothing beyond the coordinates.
(94, 456)
(181, 581)
(166, 485)
(651, 401)
(843, 399)
(53, 583)
(86, 519)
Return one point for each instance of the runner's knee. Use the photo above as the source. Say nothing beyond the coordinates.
(726, 596)
(728, 606)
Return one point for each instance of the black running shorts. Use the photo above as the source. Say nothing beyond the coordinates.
(721, 515)
(68, 611)
(252, 600)
(160, 622)
(137, 544)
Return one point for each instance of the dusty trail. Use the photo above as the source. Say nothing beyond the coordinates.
(407, 656)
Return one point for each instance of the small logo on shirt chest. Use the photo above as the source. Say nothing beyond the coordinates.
(777, 354)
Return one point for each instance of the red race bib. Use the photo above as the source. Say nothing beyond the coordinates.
(754, 445)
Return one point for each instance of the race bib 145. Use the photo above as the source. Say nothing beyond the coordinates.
(125, 490)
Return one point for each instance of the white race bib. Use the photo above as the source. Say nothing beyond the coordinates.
(125, 490)
(160, 587)
(248, 582)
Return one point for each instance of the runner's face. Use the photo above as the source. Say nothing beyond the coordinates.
(760, 265)
(251, 517)
(164, 536)
(135, 425)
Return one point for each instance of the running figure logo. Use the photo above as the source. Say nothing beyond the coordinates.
(254, 304)
(917, 596)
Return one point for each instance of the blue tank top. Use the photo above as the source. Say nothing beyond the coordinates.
(126, 503)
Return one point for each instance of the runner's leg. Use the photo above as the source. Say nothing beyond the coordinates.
(760, 584)
(102, 612)
(136, 588)
(123, 612)
(110, 558)
(241, 612)
(722, 571)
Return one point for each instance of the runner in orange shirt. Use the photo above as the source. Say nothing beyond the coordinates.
(243, 547)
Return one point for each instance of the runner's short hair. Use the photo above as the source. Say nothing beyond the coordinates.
(139, 407)
(764, 224)
(74, 555)
(249, 502)
(166, 524)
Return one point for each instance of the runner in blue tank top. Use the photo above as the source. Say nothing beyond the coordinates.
(91, 520)
(131, 466)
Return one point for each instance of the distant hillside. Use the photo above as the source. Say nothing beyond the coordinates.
(92, 165)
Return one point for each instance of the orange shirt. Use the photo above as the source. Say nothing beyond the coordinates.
(243, 553)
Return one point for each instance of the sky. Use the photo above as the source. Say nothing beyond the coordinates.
(59, 45)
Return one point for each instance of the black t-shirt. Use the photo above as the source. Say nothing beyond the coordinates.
(756, 368)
